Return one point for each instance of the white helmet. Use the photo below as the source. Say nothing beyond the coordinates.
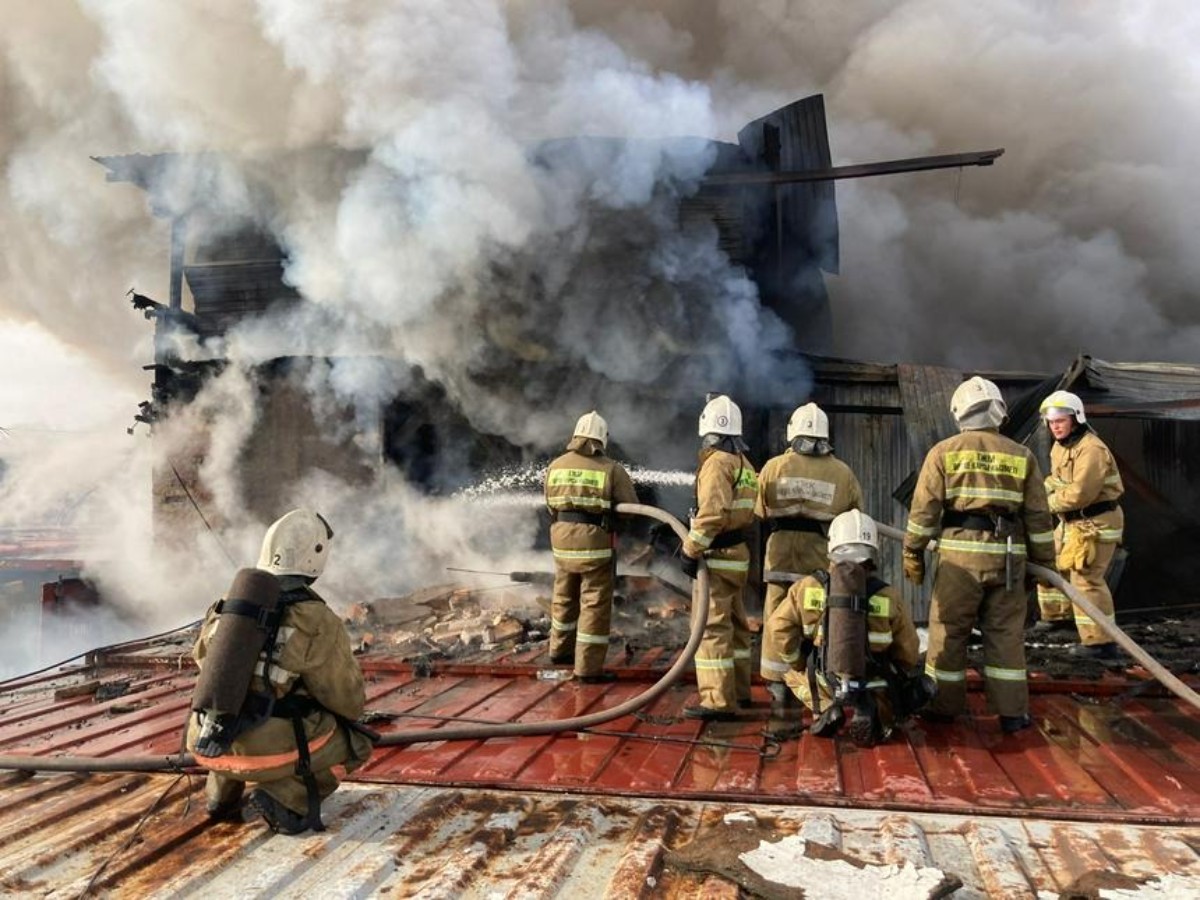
(853, 536)
(721, 416)
(297, 544)
(592, 425)
(976, 395)
(1061, 404)
(808, 421)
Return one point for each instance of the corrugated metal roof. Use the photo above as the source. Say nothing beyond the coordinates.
(1147, 390)
(610, 812)
(1129, 761)
(148, 836)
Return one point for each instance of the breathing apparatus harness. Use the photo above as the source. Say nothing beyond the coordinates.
(846, 649)
(249, 619)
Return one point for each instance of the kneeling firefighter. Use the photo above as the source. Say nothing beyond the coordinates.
(279, 687)
(849, 640)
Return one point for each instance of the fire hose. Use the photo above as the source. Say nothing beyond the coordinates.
(177, 762)
(477, 732)
(1106, 624)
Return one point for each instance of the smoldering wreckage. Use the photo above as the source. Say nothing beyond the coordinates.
(496, 772)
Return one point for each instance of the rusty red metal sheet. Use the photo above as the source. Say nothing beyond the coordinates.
(1104, 756)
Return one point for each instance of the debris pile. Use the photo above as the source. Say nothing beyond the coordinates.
(651, 608)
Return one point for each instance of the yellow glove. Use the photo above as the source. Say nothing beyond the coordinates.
(1052, 502)
(914, 566)
(1079, 549)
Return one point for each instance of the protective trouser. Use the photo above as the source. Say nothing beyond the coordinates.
(798, 553)
(1057, 607)
(282, 782)
(581, 614)
(723, 658)
(960, 598)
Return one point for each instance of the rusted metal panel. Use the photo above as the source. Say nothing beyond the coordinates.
(1103, 784)
(148, 836)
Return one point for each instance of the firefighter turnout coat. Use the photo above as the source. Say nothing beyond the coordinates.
(798, 495)
(1083, 488)
(311, 659)
(582, 488)
(980, 475)
(726, 488)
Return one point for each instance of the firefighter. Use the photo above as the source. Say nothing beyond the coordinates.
(1083, 488)
(279, 686)
(726, 485)
(799, 493)
(842, 637)
(582, 488)
(984, 494)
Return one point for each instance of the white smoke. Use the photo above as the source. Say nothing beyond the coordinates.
(440, 177)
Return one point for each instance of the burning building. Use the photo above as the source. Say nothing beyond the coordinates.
(634, 309)
(709, 278)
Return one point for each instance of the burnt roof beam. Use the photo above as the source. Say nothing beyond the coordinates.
(863, 170)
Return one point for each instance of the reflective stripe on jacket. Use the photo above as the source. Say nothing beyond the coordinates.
(1085, 473)
(799, 616)
(585, 480)
(978, 472)
(726, 488)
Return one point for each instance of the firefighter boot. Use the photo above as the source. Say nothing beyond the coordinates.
(223, 798)
(280, 819)
(830, 722)
(784, 723)
(915, 694)
(784, 704)
(865, 728)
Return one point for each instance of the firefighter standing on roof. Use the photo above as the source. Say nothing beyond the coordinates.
(726, 487)
(799, 493)
(1083, 489)
(306, 683)
(984, 494)
(582, 488)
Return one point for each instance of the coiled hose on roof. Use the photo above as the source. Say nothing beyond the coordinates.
(474, 732)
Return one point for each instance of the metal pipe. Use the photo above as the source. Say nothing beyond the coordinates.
(180, 761)
(1160, 672)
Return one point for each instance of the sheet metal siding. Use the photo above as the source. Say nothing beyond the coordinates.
(807, 211)
(1165, 390)
(385, 841)
(1174, 448)
(926, 392)
(810, 210)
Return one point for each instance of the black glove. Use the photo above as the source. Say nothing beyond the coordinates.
(688, 565)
